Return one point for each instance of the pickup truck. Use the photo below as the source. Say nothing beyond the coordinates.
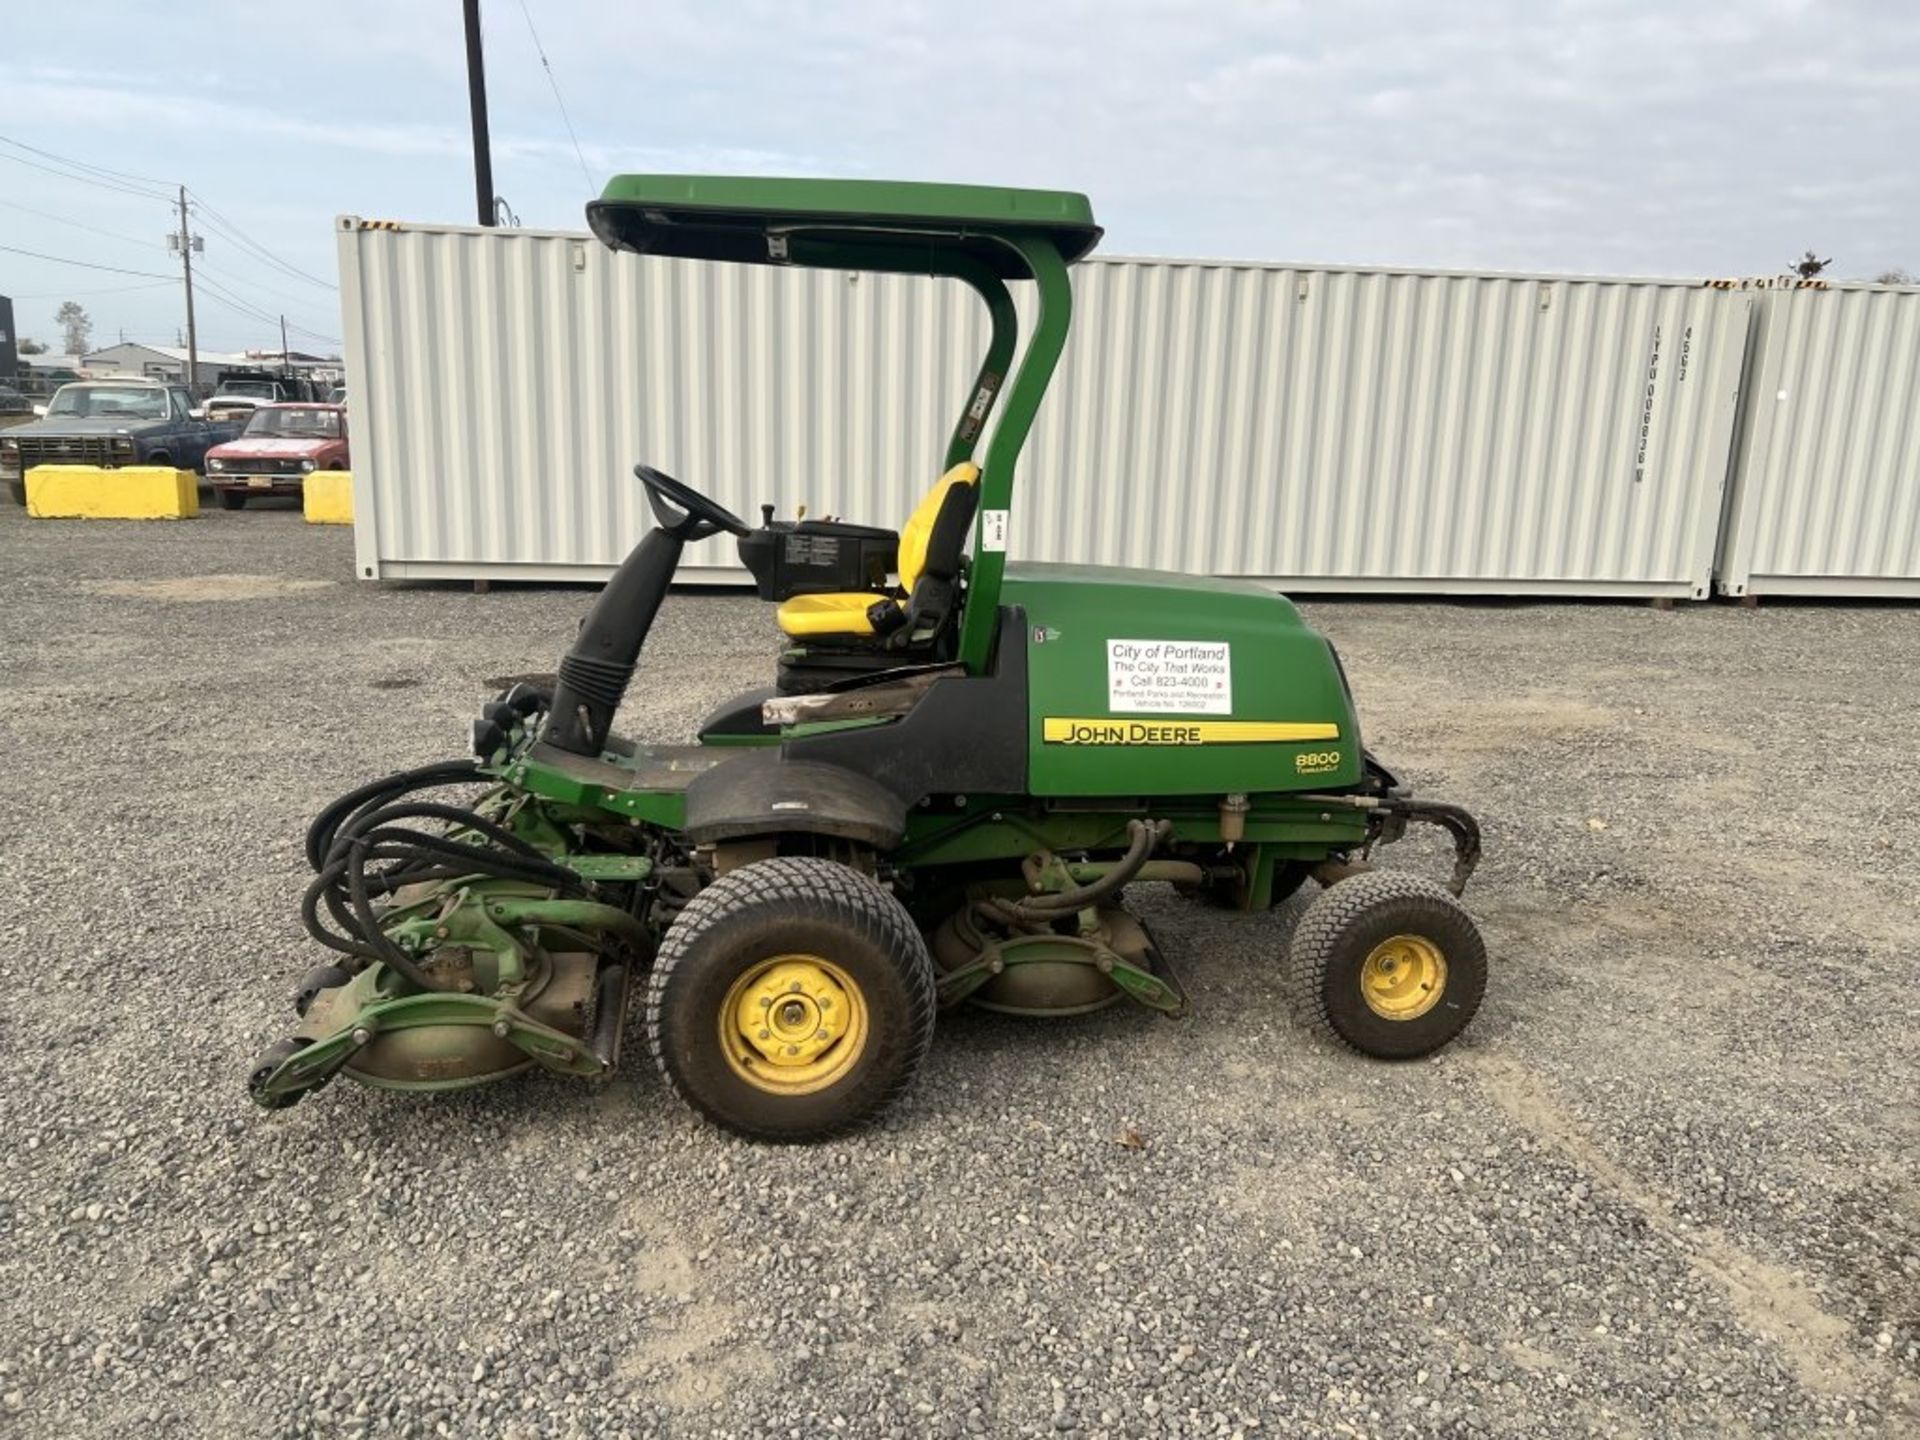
(238, 396)
(111, 423)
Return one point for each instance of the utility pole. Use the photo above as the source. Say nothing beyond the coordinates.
(185, 242)
(286, 361)
(477, 102)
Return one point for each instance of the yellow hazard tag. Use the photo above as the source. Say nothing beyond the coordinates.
(1068, 731)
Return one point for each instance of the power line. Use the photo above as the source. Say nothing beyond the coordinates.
(239, 302)
(311, 334)
(126, 183)
(235, 302)
(234, 233)
(256, 285)
(83, 179)
(76, 224)
(90, 294)
(120, 175)
(554, 81)
(221, 295)
(83, 264)
(257, 316)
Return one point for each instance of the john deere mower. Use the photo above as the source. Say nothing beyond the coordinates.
(963, 766)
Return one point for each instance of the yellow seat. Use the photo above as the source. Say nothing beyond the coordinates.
(834, 614)
(808, 617)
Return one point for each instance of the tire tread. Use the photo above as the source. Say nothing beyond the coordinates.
(1327, 917)
(837, 893)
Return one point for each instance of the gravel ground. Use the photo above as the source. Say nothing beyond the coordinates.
(1666, 1185)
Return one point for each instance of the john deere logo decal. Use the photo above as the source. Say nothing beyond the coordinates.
(1061, 730)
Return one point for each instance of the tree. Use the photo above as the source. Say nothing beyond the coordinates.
(1896, 276)
(78, 326)
(31, 347)
(1809, 265)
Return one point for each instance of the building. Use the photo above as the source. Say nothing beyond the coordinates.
(9, 339)
(41, 375)
(163, 362)
(169, 362)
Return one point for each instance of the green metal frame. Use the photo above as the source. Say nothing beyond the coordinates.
(980, 617)
(980, 235)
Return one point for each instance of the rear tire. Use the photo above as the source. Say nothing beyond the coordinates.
(1388, 963)
(233, 499)
(795, 950)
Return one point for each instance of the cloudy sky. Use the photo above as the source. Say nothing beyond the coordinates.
(1615, 136)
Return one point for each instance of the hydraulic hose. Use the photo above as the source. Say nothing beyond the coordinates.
(413, 856)
(447, 772)
(467, 819)
(1143, 837)
(362, 851)
(369, 921)
(329, 885)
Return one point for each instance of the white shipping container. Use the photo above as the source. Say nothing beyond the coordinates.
(1312, 428)
(1826, 494)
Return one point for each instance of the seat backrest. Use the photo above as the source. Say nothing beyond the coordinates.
(935, 535)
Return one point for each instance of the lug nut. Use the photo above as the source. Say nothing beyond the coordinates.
(766, 1034)
(793, 1049)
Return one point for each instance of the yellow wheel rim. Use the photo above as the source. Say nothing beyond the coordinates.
(793, 1024)
(1404, 977)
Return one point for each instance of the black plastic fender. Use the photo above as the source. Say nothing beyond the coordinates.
(740, 715)
(761, 792)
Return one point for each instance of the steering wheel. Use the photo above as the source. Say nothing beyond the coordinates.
(683, 511)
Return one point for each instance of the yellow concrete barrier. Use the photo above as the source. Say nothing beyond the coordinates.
(327, 497)
(89, 492)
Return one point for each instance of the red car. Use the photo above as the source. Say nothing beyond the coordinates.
(280, 447)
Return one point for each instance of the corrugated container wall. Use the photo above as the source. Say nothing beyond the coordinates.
(1826, 494)
(1310, 428)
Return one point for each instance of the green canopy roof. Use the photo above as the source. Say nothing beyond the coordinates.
(835, 223)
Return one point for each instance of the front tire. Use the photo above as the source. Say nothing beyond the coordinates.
(792, 1000)
(1388, 963)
